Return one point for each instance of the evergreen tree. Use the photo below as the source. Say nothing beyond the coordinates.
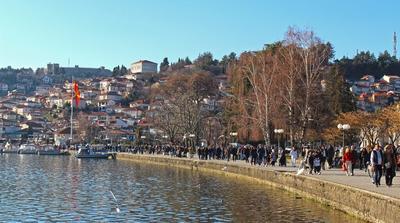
(123, 70)
(164, 65)
(338, 96)
(188, 61)
(116, 71)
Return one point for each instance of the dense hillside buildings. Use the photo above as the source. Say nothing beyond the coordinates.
(111, 107)
(374, 94)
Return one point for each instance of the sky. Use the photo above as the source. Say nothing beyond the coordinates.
(94, 33)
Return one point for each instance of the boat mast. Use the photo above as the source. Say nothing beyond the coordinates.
(72, 108)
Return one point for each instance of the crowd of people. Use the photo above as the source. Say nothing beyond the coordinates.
(377, 160)
(260, 155)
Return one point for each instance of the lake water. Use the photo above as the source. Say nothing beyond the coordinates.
(61, 189)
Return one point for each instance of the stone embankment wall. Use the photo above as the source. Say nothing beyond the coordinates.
(363, 204)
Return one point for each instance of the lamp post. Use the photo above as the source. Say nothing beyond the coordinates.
(165, 137)
(184, 140)
(278, 132)
(143, 139)
(233, 134)
(191, 136)
(343, 127)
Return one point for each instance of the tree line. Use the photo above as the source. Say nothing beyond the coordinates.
(292, 84)
(365, 63)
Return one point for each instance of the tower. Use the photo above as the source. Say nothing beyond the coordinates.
(395, 45)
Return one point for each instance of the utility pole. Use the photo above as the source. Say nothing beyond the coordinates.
(395, 45)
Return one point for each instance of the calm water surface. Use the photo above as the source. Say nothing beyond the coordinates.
(60, 189)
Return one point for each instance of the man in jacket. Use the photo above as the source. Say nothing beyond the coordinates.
(377, 161)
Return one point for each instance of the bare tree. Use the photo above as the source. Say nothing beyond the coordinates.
(289, 71)
(314, 56)
(259, 69)
(182, 112)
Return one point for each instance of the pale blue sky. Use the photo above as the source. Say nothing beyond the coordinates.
(93, 33)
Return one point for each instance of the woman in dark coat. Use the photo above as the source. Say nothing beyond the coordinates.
(389, 164)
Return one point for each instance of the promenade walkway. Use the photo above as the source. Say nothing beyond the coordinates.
(360, 180)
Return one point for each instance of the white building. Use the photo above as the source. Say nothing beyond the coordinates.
(390, 78)
(143, 66)
(143, 69)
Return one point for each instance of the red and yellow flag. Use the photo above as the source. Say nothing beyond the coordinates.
(77, 93)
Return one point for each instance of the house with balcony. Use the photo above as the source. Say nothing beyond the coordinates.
(133, 112)
(100, 118)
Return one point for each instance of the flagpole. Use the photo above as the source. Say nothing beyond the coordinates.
(72, 108)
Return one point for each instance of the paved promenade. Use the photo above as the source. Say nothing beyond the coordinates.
(360, 179)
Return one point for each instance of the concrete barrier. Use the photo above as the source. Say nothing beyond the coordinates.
(363, 204)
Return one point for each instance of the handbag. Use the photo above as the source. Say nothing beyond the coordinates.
(371, 168)
(388, 165)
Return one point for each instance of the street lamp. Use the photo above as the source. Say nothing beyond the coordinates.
(343, 127)
(143, 139)
(191, 136)
(233, 134)
(278, 131)
(184, 140)
(165, 137)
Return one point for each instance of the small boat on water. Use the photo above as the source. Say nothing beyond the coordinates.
(27, 149)
(8, 148)
(50, 150)
(88, 152)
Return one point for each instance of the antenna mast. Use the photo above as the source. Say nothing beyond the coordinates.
(395, 45)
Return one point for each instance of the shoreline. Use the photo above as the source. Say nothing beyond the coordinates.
(357, 202)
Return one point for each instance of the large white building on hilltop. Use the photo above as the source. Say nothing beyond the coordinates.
(143, 69)
(143, 66)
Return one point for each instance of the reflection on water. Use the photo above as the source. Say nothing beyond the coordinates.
(44, 188)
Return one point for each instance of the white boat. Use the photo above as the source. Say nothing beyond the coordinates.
(89, 152)
(9, 148)
(27, 149)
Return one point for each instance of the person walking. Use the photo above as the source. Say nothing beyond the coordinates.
(282, 157)
(322, 153)
(234, 152)
(274, 156)
(347, 161)
(317, 162)
(376, 162)
(293, 156)
(354, 155)
(363, 159)
(254, 156)
(389, 164)
(310, 160)
(330, 153)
